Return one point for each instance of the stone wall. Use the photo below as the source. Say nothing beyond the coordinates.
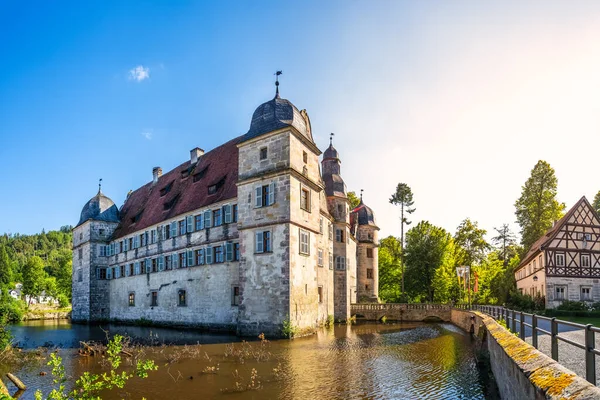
(401, 312)
(521, 371)
(208, 295)
(573, 289)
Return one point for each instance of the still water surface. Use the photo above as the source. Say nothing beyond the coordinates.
(370, 361)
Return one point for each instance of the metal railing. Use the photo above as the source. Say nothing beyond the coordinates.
(514, 318)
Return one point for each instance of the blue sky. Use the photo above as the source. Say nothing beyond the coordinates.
(457, 99)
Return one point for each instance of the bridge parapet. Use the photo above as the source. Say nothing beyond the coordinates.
(401, 311)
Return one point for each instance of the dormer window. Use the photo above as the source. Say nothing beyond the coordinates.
(212, 189)
(168, 205)
(200, 174)
(263, 153)
(166, 189)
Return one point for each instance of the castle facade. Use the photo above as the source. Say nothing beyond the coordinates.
(241, 238)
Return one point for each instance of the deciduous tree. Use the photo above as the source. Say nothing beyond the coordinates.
(427, 248)
(390, 274)
(470, 243)
(34, 277)
(537, 208)
(5, 267)
(596, 203)
(353, 199)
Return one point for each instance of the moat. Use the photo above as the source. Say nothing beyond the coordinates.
(409, 360)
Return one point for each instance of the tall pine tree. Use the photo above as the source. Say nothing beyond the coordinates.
(537, 208)
(403, 197)
(596, 203)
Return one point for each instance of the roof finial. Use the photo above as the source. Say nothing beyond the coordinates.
(277, 83)
(100, 185)
(331, 135)
(361, 192)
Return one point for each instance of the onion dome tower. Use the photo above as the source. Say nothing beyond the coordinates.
(362, 219)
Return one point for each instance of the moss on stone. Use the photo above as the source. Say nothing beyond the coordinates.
(552, 381)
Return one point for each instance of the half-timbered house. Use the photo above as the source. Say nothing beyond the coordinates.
(564, 264)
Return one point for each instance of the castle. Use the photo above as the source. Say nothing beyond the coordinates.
(241, 238)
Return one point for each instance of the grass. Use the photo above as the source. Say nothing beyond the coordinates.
(582, 320)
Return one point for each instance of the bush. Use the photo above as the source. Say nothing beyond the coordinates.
(5, 335)
(526, 303)
(63, 301)
(572, 306)
(13, 310)
(288, 329)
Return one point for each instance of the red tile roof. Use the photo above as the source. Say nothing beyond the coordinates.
(146, 206)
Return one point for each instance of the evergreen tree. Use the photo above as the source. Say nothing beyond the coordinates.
(403, 197)
(5, 268)
(537, 208)
(505, 243)
(596, 203)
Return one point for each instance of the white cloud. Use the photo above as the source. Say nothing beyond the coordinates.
(147, 135)
(139, 73)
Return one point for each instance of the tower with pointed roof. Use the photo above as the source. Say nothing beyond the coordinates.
(281, 223)
(344, 243)
(365, 229)
(98, 220)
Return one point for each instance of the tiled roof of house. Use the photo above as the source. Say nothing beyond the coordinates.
(536, 247)
(181, 190)
(364, 215)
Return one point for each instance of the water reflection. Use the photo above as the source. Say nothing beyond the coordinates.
(406, 361)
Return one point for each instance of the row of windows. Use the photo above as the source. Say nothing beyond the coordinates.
(559, 261)
(585, 293)
(189, 258)
(209, 218)
(182, 297)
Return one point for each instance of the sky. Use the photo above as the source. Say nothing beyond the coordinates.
(457, 99)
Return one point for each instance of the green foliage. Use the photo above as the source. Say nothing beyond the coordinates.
(353, 199)
(330, 321)
(470, 243)
(572, 306)
(596, 202)
(12, 310)
(537, 208)
(428, 248)
(53, 248)
(503, 284)
(524, 302)
(34, 277)
(88, 386)
(383, 319)
(288, 329)
(506, 243)
(5, 267)
(390, 272)
(63, 301)
(503, 324)
(489, 272)
(5, 335)
(403, 197)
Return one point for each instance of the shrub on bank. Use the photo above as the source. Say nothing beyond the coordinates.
(13, 310)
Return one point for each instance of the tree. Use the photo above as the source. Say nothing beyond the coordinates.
(471, 244)
(403, 197)
(34, 277)
(596, 203)
(505, 242)
(353, 199)
(5, 268)
(427, 248)
(390, 274)
(537, 208)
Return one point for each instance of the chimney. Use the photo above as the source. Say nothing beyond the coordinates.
(195, 155)
(156, 173)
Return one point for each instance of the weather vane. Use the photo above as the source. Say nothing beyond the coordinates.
(361, 192)
(100, 185)
(277, 83)
(331, 135)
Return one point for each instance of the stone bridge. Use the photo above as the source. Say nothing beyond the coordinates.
(401, 312)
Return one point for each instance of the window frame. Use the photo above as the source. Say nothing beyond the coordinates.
(179, 298)
(305, 199)
(585, 256)
(266, 241)
(131, 299)
(304, 242)
(235, 296)
(557, 256)
(154, 298)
